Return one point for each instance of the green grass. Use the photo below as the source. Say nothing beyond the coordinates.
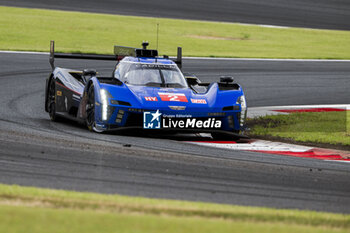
(312, 127)
(24, 209)
(32, 29)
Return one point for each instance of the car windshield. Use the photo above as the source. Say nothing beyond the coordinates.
(157, 75)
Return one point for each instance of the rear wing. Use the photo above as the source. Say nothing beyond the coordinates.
(54, 55)
(178, 59)
(119, 53)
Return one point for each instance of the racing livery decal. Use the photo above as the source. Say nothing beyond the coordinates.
(178, 97)
(149, 98)
(198, 101)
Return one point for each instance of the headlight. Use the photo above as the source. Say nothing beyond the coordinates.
(241, 100)
(104, 102)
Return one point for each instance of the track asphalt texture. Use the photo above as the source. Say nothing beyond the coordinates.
(323, 14)
(37, 152)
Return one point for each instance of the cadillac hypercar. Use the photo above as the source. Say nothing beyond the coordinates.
(145, 91)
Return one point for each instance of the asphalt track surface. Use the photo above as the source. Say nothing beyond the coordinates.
(323, 14)
(37, 152)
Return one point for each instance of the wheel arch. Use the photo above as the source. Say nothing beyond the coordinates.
(82, 106)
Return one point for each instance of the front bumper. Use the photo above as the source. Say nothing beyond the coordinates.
(120, 118)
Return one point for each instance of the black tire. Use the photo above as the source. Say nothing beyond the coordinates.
(51, 101)
(90, 108)
(224, 137)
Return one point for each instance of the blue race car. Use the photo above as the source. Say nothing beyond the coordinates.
(147, 92)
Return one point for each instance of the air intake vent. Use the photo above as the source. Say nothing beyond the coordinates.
(118, 102)
(228, 86)
(230, 108)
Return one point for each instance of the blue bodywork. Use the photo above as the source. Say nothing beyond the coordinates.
(126, 103)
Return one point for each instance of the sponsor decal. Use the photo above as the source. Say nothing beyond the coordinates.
(160, 66)
(177, 97)
(59, 93)
(198, 101)
(152, 120)
(150, 98)
(177, 107)
(76, 96)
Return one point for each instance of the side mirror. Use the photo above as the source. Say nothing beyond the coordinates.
(191, 79)
(91, 72)
(226, 79)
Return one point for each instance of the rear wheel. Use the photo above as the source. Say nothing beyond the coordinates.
(51, 103)
(90, 108)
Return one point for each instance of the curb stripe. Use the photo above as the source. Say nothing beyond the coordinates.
(307, 154)
(277, 148)
(312, 110)
(285, 149)
(219, 142)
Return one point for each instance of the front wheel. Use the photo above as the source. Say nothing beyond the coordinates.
(90, 110)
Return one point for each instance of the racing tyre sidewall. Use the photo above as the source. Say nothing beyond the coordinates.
(90, 110)
(52, 101)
